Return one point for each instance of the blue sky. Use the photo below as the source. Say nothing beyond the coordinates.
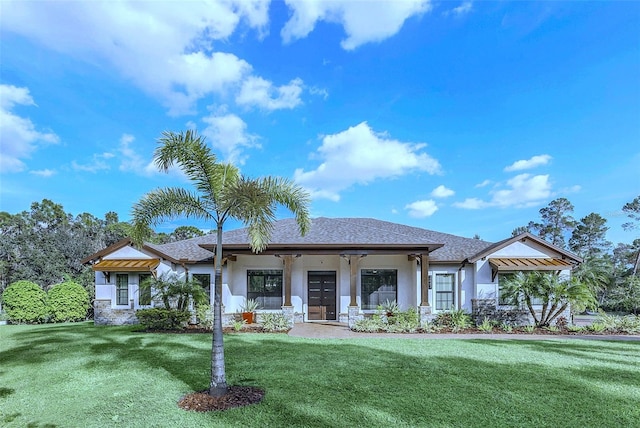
(462, 117)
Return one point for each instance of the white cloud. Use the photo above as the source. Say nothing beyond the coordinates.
(360, 155)
(258, 92)
(463, 9)
(228, 134)
(484, 183)
(18, 135)
(524, 190)
(528, 163)
(442, 192)
(319, 92)
(363, 21)
(422, 209)
(131, 161)
(471, 204)
(521, 191)
(168, 49)
(98, 163)
(45, 173)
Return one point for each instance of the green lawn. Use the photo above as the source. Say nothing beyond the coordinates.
(78, 375)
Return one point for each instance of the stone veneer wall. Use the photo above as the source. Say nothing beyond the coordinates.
(481, 308)
(104, 314)
(488, 308)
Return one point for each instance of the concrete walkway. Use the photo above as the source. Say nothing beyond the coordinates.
(332, 330)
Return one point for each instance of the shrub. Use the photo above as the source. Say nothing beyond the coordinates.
(562, 322)
(275, 322)
(486, 326)
(204, 315)
(506, 327)
(529, 328)
(25, 302)
(389, 307)
(238, 325)
(162, 319)
(368, 325)
(68, 301)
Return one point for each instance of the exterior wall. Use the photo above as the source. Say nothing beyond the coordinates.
(235, 292)
(487, 289)
(106, 309)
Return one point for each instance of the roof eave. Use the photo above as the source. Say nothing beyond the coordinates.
(523, 237)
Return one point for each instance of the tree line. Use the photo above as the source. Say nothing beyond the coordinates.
(612, 269)
(45, 244)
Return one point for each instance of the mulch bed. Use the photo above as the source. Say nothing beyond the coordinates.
(237, 396)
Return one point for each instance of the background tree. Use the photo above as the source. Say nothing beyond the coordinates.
(185, 232)
(220, 193)
(530, 227)
(588, 239)
(556, 222)
(632, 209)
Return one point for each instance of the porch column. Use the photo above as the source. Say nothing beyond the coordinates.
(425, 308)
(288, 262)
(424, 279)
(353, 279)
(354, 311)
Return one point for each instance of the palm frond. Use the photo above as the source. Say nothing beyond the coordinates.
(189, 151)
(163, 204)
(293, 197)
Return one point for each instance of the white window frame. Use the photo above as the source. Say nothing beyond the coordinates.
(433, 291)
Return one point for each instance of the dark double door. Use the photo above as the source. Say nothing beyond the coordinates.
(322, 296)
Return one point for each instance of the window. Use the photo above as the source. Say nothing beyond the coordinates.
(265, 286)
(122, 289)
(445, 286)
(378, 286)
(144, 290)
(503, 277)
(204, 279)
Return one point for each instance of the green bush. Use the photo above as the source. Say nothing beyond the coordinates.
(204, 315)
(275, 322)
(368, 325)
(455, 319)
(162, 319)
(25, 302)
(68, 301)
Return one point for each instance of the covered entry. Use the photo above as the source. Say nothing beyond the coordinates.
(322, 295)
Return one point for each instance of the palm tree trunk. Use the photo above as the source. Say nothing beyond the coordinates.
(531, 310)
(218, 385)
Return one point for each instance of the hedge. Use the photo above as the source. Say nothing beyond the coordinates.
(68, 301)
(25, 302)
(162, 319)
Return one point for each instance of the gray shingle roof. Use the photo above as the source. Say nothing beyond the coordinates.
(338, 231)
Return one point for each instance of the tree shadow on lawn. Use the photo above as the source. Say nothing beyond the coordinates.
(373, 383)
(339, 383)
(612, 351)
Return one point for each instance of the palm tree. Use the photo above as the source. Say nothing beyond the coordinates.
(556, 294)
(221, 193)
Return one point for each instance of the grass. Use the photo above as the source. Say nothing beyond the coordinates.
(71, 375)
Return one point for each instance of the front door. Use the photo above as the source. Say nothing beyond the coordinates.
(322, 296)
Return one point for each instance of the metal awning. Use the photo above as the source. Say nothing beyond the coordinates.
(511, 264)
(126, 265)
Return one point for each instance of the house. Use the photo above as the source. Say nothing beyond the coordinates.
(342, 269)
